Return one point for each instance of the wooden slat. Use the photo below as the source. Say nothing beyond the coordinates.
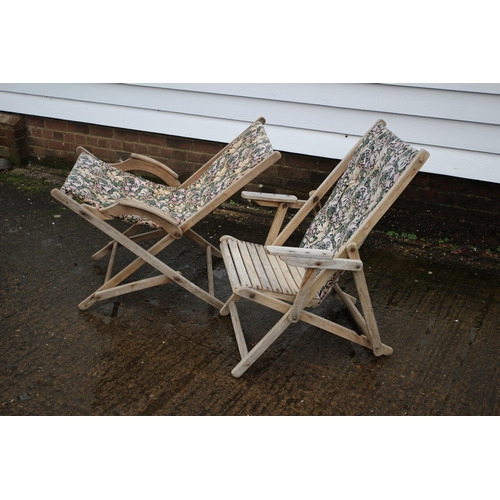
(275, 286)
(259, 267)
(274, 261)
(249, 266)
(285, 269)
(229, 264)
(238, 263)
(297, 273)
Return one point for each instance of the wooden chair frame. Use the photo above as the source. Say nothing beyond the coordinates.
(300, 273)
(168, 232)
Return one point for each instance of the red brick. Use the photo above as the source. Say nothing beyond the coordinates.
(91, 140)
(104, 143)
(35, 121)
(153, 150)
(134, 147)
(292, 173)
(152, 139)
(79, 128)
(126, 135)
(19, 133)
(194, 156)
(59, 146)
(80, 139)
(209, 147)
(56, 124)
(299, 161)
(68, 137)
(326, 165)
(9, 133)
(115, 144)
(103, 154)
(38, 151)
(96, 130)
(42, 143)
(181, 143)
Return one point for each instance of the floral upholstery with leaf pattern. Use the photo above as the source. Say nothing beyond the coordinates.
(375, 167)
(96, 183)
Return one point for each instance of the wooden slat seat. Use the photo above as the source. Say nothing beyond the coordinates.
(250, 265)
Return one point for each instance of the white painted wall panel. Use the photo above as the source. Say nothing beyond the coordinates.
(458, 123)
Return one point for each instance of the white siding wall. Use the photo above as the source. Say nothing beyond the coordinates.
(459, 124)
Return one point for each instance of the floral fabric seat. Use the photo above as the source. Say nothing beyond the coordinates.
(100, 185)
(375, 167)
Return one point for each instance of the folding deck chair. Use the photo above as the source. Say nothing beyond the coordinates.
(100, 192)
(288, 279)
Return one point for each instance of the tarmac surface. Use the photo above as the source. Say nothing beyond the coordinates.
(163, 351)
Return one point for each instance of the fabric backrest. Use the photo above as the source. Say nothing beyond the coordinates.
(377, 164)
(96, 183)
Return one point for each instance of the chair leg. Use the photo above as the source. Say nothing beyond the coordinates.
(210, 271)
(142, 254)
(262, 346)
(371, 330)
(203, 242)
(109, 247)
(111, 262)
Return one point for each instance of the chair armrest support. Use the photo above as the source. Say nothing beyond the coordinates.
(314, 258)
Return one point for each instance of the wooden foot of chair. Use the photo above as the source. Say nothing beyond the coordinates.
(262, 346)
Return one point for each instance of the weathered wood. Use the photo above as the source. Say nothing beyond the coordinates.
(136, 249)
(171, 228)
(296, 275)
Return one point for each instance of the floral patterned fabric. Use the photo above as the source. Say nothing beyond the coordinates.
(96, 183)
(373, 170)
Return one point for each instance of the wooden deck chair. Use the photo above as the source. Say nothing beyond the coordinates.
(289, 279)
(100, 192)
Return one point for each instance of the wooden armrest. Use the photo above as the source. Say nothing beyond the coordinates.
(143, 163)
(313, 258)
(134, 207)
(272, 199)
(278, 198)
(156, 163)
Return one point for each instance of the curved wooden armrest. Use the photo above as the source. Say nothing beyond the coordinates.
(133, 207)
(313, 258)
(143, 163)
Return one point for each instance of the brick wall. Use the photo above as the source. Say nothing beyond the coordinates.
(13, 138)
(53, 143)
(433, 205)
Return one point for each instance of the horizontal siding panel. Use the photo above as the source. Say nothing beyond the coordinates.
(338, 120)
(486, 88)
(461, 129)
(478, 108)
(426, 102)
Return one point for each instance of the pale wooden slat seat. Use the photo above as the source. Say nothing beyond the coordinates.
(252, 267)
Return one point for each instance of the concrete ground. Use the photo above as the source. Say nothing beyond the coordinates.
(165, 352)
